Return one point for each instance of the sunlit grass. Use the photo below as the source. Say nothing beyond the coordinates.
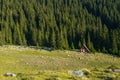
(32, 64)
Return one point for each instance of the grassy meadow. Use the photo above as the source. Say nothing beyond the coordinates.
(36, 64)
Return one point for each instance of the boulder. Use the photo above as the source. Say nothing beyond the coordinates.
(116, 70)
(78, 73)
(10, 74)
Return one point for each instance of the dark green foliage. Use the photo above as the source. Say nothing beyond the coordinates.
(113, 67)
(61, 24)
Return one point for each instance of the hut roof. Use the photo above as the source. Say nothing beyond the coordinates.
(85, 47)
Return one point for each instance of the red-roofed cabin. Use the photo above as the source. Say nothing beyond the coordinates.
(84, 49)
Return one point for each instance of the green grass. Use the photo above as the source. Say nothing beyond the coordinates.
(31, 64)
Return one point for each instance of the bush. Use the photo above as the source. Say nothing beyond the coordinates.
(105, 77)
(96, 69)
(113, 67)
(72, 78)
(87, 72)
(53, 78)
(28, 78)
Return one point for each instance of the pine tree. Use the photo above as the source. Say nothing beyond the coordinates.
(59, 41)
(79, 45)
(90, 44)
(72, 46)
(114, 44)
(52, 39)
(39, 38)
(18, 35)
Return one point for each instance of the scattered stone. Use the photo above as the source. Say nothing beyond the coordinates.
(10, 74)
(68, 55)
(116, 70)
(27, 63)
(78, 73)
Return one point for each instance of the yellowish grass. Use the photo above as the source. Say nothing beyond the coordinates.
(32, 64)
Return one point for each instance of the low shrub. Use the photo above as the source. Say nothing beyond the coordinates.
(86, 72)
(28, 78)
(52, 78)
(113, 67)
(72, 78)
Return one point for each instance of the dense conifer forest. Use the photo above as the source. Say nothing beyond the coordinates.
(61, 24)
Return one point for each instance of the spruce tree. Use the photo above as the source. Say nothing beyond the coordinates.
(114, 44)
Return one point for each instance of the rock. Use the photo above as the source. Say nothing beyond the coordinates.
(10, 74)
(116, 70)
(68, 55)
(108, 70)
(78, 73)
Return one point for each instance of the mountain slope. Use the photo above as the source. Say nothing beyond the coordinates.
(62, 24)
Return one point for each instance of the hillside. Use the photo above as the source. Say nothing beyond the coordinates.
(35, 64)
(61, 24)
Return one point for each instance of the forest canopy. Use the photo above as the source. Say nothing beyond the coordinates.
(61, 24)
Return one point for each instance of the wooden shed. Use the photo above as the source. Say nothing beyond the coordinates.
(84, 49)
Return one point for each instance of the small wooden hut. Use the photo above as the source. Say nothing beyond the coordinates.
(84, 49)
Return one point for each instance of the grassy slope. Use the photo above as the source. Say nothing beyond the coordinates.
(30, 64)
